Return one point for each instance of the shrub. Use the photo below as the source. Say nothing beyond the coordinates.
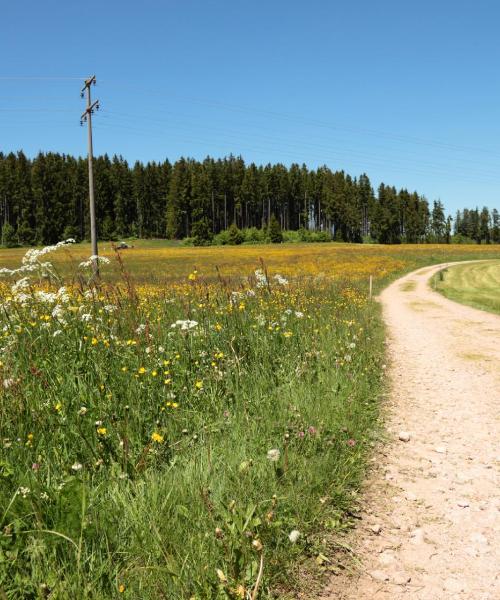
(221, 239)
(9, 238)
(254, 235)
(236, 236)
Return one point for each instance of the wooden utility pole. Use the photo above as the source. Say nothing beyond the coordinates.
(87, 117)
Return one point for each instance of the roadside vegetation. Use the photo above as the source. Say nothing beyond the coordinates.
(192, 425)
(475, 284)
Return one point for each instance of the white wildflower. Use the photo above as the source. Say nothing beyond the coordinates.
(22, 284)
(82, 411)
(47, 297)
(261, 278)
(299, 315)
(294, 536)
(24, 491)
(7, 383)
(273, 455)
(261, 320)
(184, 325)
(280, 280)
(76, 466)
(92, 259)
(58, 311)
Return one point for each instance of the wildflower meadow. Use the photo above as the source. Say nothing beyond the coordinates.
(186, 432)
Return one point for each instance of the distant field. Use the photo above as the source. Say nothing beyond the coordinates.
(160, 262)
(475, 284)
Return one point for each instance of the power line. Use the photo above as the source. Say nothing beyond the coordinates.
(35, 110)
(325, 152)
(39, 78)
(310, 143)
(274, 114)
(307, 120)
(320, 159)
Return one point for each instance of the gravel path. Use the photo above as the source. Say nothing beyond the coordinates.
(431, 527)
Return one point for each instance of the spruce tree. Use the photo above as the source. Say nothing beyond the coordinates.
(274, 231)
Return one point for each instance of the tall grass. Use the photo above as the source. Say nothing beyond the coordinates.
(188, 442)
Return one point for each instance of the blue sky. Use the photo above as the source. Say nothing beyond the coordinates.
(408, 92)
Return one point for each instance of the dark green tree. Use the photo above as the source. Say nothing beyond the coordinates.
(274, 231)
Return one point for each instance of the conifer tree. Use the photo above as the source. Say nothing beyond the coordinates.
(274, 231)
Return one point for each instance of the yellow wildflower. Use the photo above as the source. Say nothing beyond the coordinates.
(156, 437)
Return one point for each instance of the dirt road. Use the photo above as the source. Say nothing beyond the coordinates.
(431, 528)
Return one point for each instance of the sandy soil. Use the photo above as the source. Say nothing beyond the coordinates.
(431, 528)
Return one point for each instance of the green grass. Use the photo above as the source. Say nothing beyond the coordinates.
(474, 284)
(133, 455)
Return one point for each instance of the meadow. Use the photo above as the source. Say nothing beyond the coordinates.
(196, 424)
(477, 285)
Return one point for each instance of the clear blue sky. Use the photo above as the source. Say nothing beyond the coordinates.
(408, 92)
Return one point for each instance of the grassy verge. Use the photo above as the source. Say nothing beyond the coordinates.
(475, 284)
(167, 445)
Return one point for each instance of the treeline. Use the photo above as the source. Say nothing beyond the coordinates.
(477, 226)
(46, 199)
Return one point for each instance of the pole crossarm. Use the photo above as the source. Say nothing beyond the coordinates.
(88, 83)
(93, 107)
